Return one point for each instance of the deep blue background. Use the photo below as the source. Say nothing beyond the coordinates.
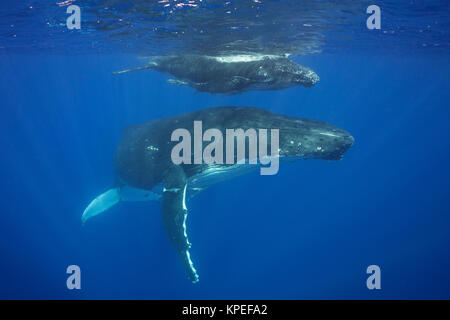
(308, 232)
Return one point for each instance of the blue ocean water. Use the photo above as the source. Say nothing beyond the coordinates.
(308, 232)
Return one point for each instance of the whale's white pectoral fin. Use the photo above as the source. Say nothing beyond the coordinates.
(102, 203)
(174, 214)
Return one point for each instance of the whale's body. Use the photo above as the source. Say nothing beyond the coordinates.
(145, 170)
(232, 74)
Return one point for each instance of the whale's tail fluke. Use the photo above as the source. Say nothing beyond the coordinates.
(100, 204)
(112, 196)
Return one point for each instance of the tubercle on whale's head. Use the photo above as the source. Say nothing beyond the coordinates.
(301, 76)
(286, 71)
(305, 77)
(309, 139)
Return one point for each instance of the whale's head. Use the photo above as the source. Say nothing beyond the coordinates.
(309, 139)
(284, 73)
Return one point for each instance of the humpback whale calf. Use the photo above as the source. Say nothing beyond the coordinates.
(232, 74)
(145, 170)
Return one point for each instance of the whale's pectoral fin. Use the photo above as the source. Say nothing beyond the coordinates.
(177, 82)
(151, 65)
(102, 203)
(174, 214)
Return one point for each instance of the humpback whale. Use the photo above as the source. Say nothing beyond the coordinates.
(232, 74)
(145, 170)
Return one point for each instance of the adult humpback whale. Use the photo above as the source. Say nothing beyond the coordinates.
(232, 74)
(145, 169)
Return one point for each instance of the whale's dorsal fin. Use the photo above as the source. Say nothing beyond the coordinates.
(174, 214)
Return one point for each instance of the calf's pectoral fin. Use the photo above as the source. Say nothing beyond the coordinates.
(174, 214)
(177, 82)
(151, 65)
